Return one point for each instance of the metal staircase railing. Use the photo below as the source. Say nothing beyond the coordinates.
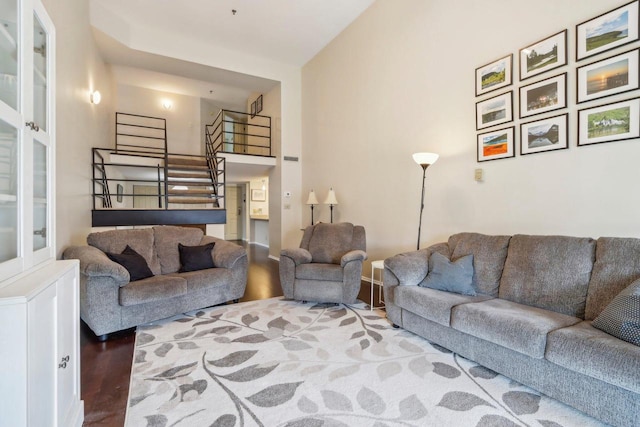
(235, 132)
(102, 181)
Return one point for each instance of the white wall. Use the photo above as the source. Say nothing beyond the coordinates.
(80, 124)
(400, 80)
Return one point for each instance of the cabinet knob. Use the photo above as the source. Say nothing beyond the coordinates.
(33, 126)
(63, 362)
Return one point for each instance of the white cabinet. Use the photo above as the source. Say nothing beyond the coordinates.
(40, 348)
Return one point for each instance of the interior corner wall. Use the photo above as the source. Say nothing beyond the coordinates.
(400, 80)
(80, 125)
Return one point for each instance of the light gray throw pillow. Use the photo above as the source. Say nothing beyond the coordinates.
(621, 318)
(445, 275)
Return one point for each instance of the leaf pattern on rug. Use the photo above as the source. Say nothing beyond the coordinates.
(283, 363)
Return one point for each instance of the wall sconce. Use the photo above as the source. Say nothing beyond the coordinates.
(95, 97)
(311, 201)
(167, 104)
(424, 160)
(331, 201)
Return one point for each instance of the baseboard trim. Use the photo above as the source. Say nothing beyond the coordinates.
(275, 258)
(259, 244)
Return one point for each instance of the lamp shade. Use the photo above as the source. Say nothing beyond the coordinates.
(425, 158)
(312, 200)
(331, 198)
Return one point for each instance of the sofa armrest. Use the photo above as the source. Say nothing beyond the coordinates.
(356, 255)
(412, 267)
(225, 254)
(95, 263)
(297, 255)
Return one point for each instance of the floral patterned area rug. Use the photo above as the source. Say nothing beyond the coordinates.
(278, 362)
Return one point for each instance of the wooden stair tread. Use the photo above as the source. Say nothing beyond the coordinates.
(183, 161)
(201, 175)
(188, 167)
(190, 191)
(190, 183)
(192, 200)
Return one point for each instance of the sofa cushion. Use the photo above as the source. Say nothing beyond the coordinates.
(518, 327)
(412, 267)
(135, 263)
(319, 271)
(489, 255)
(194, 258)
(166, 241)
(154, 288)
(451, 276)
(330, 241)
(617, 265)
(590, 351)
(621, 318)
(206, 279)
(432, 304)
(550, 272)
(115, 241)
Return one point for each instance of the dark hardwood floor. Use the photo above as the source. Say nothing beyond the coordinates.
(106, 366)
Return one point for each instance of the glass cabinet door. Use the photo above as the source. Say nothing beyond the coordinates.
(40, 202)
(9, 53)
(9, 236)
(39, 74)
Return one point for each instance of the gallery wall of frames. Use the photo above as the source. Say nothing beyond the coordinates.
(538, 112)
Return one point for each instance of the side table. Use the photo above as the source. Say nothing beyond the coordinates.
(377, 265)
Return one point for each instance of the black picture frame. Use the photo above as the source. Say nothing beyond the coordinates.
(259, 104)
(253, 109)
(494, 111)
(597, 79)
(603, 34)
(543, 96)
(544, 55)
(494, 75)
(549, 134)
(119, 193)
(619, 125)
(497, 144)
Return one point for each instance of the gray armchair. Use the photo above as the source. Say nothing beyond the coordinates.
(327, 266)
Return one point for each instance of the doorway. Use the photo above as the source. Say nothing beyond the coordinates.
(235, 211)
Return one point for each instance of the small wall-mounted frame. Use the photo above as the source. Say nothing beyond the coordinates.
(544, 135)
(544, 96)
(258, 195)
(611, 122)
(544, 55)
(119, 193)
(494, 111)
(497, 144)
(607, 31)
(494, 75)
(253, 109)
(609, 76)
(259, 104)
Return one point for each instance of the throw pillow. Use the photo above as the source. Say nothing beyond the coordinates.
(193, 258)
(135, 263)
(621, 318)
(456, 276)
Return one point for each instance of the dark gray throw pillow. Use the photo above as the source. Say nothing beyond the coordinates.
(193, 258)
(621, 318)
(456, 276)
(135, 263)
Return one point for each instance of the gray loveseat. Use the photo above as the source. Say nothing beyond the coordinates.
(531, 319)
(109, 302)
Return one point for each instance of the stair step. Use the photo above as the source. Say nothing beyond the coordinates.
(190, 191)
(201, 175)
(191, 200)
(190, 183)
(183, 161)
(188, 167)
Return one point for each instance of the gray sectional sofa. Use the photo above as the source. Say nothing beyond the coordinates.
(531, 318)
(109, 302)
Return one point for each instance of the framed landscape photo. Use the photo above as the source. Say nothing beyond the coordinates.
(498, 144)
(544, 135)
(494, 111)
(611, 122)
(544, 55)
(543, 96)
(258, 195)
(609, 76)
(259, 104)
(494, 75)
(253, 109)
(607, 31)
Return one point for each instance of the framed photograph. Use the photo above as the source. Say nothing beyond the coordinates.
(119, 193)
(543, 96)
(258, 195)
(498, 144)
(494, 111)
(544, 135)
(544, 55)
(609, 76)
(611, 122)
(494, 75)
(253, 109)
(607, 31)
(259, 104)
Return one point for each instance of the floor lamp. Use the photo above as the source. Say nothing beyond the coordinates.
(424, 160)
(331, 201)
(312, 201)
